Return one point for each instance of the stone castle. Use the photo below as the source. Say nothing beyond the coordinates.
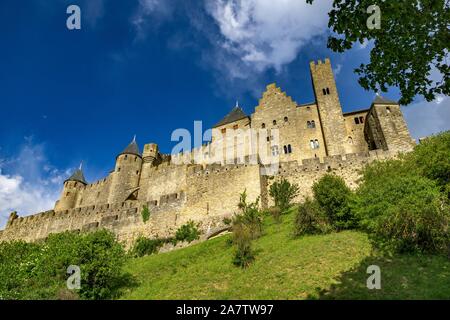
(311, 139)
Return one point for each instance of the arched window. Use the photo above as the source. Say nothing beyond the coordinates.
(356, 120)
(263, 125)
(311, 143)
(361, 119)
(275, 151)
(286, 119)
(289, 148)
(274, 122)
(324, 92)
(388, 110)
(313, 124)
(350, 140)
(285, 149)
(126, 156)
(316, 144)
(308, 124)
(328, 91)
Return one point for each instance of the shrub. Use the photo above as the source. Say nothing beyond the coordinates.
(145, 213)
(242, 239)
(250, 215)
(431, 159)
(310, 219)
(402, 211)
(283, 193)
(144, 246)
(39, 270)
(187, 232)
(332, 196)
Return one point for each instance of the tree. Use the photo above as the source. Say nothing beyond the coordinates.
(410, 49)
(332, 196)
(283, 193)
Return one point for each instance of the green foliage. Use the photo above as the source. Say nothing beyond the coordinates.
(332, 196)
(432, 160)
(309, 219)
(246, 226)
(145, 213)
(401, 210)
(283, 193)
(39, 271)
(187, 232)
(412, 41)
(144, 246)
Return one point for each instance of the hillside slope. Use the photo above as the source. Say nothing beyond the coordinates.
(323, 266)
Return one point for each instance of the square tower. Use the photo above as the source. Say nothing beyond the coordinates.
(330, 111)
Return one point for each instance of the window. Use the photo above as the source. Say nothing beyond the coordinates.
(126, 156)
(388, 110)
(274, 122)
(314, 144)
(357, 120)
(361, 119)
(137, 172)
(224, 130)
(135, 159)
(118, 169)
(289, 148)
(268, 139)
(235, 127)
(324, 92)
(308, 124)
(328, 91)
(286, 119)
(263, 126)
(275, 151)
(350, 140)
(285, 150)
(313, 124)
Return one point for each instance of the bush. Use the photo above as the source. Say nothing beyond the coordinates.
(431, 159)
(401, 210)
(187, 232)
(144, 246)
(242, 238)
(246, 226)
(145, 213)
(283, 193)
(332, 196)
(39, 270)
(310, 219)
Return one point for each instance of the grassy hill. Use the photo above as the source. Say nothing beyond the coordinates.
(329, 266)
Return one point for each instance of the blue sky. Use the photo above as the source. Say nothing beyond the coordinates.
(147, 68)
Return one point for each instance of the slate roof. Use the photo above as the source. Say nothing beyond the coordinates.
(236, 114)
(132, 148)
(77, 176)
(381, 100)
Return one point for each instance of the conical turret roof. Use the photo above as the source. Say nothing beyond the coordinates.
(381, 100)
(132, 148)
(235, 114)
(77, 176)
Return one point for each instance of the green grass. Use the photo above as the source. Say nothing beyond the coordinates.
(329, 266)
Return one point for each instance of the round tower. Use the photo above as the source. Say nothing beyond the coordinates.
(71, 190)
(126, 174)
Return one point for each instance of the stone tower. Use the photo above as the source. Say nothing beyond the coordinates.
(150, 152)
(126, 175)
(72, 187)
(386, 128)
(330, 111)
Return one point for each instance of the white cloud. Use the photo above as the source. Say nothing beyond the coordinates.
(28, 183)
(337, 70)
(151, 13)
(425, 118)
(262, 34)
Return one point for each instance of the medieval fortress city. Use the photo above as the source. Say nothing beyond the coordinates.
(246, 152)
